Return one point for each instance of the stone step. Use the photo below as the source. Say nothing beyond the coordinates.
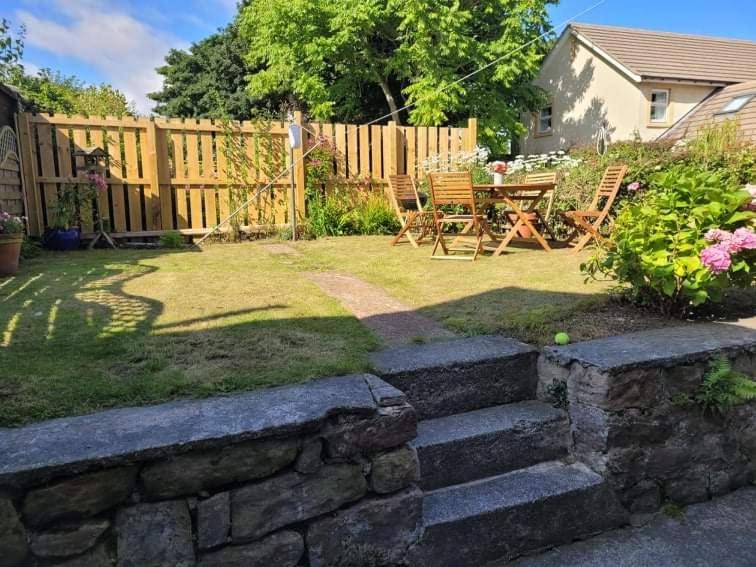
(460, 375)
(502, 517)
(490, 441)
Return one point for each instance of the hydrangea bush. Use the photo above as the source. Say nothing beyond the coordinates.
(10, 224)
(683, 241)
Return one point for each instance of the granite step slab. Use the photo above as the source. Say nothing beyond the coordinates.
(502, 517)
(473, 445)
(448, 377)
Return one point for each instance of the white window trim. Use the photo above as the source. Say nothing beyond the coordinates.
(538, 117)
(652, 104)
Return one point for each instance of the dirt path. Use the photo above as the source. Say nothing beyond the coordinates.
(394, 322)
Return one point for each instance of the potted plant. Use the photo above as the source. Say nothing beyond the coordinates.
(11, 237)
(65, 226)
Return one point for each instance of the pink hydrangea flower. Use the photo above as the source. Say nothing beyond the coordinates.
(634, 186)
(718, 235)
(716, 258)
(742, 239)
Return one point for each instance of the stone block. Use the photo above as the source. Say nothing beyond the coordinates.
(394, 470)
(96, 557)
(13, 548)
(213, 520)
(292, 497)
(281, 549)
(310, 458)
(155, 534)
(196, 471)
(73, 540)
(82, 496)
(351, 435)
(382, 529)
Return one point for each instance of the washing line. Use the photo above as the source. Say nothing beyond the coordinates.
(286, 171)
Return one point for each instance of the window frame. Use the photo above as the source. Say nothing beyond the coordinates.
(539, 118)
(747, 98)
(652, 104)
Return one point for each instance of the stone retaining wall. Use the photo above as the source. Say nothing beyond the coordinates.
(627, 421)
(318, 474)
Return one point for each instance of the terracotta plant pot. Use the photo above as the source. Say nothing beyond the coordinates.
(524, 231)
(10, 250)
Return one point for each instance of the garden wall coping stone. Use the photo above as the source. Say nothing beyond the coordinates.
(37, 452)
(446, 353)
(658, 347)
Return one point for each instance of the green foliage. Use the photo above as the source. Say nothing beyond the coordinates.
(658, 238)
(340, 56)
(74, 202)
(11, 50)
(674, 511)
(557, 391)
(210, 81)
(722, 388)
(30, 248)
(172, 239)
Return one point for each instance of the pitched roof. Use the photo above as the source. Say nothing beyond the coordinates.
(710, 110)
(664, 55)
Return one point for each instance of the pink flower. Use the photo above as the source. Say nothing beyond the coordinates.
(98, 181)
(718, 235)
(716, 258)
(742, 239)
(752, 190)
(634, 186)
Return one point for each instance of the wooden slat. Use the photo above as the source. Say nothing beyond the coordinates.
(193, 168)
(80, 142)
(49, 190)
(376, 147)
(134, 190)
(339, 134)
(386, 152)
(57, 119)
(182, 213)
(364, 151)
(443, 146)
(117, 189)
(409, 140)
(432, 141)
(28, 149)
(97, 138)
(352, 156)
(422, 150)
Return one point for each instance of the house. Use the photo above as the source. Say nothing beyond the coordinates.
(636, 84)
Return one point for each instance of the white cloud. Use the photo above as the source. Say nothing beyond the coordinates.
(124, 49)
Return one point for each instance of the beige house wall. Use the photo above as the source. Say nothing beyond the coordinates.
(587, 91)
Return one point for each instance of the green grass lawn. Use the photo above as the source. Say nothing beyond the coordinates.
(89, 330)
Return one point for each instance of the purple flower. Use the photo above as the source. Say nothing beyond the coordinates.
(742, 239)
(716, 258)
(98, 181)
(634, 186)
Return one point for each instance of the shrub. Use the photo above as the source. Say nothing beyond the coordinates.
(172, 239)
(657, 242)
(722, 388)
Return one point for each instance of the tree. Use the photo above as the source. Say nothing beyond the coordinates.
(209, 81)
(330, 53)
(51, 91)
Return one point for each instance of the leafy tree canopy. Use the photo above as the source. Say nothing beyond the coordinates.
(51, 91)
(334, 54)
(210, 81)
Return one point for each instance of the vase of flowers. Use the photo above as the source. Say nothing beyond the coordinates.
(11, 237)
(498, 168)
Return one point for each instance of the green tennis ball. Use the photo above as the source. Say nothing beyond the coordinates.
(562, 338)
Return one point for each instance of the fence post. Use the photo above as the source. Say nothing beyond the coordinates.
(472, 133)
(395, 153)
(157, 211)
(299, 168)
(29, 175)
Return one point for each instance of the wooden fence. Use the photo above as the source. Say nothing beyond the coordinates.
(174, 174)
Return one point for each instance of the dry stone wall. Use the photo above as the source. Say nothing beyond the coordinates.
(627, 422)
(317, 474)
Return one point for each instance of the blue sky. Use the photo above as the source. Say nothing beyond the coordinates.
(121, 42)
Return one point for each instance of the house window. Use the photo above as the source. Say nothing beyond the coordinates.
(736, 104)
(544, 120)
(659, 106)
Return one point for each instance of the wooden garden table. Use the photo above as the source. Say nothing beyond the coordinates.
(531, 194)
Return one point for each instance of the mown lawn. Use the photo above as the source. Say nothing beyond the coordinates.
(90, 330)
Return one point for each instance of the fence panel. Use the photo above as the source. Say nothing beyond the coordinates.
(188, 175)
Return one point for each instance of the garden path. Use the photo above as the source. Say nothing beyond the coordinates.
(391, 320)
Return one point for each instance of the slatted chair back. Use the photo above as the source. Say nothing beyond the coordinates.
(453, 188)
(608, 189)
(402, 189)
(541, 178)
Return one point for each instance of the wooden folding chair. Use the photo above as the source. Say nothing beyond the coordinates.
(528, 197)
(456, 189)
(588, 222)
(409, 210)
